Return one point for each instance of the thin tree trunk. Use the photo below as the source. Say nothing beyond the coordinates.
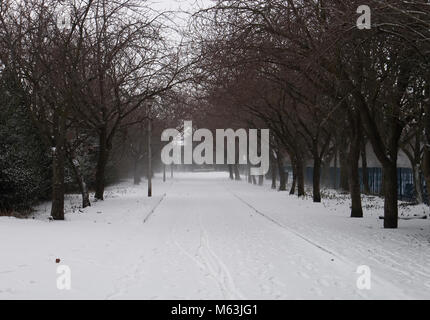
(236, 172)
(230, 170)
(249, 174)
(281, 171)
(294, 184)
(260, 180)
(149, 148)
(81, 182)
(364, 171)
(101, 164)
(354, 175)
(273, 169)
(300, 178)
(335, 169)
(344, 183)
(426, 169)
(317, 179)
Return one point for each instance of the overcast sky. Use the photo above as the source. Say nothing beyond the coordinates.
(174, 5)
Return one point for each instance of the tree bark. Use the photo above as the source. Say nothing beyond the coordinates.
(354, 176)
(81, 182)
(281, 171)
(300, 178)
(249, 174)
(260, 180)
(391, 197)
(236, 172)
(294, 184)
(230, 170)
(317, 179)
(58, 161)
(426, 169)
(101, 164)
(364, 171)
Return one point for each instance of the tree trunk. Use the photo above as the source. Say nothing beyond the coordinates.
(81, 182)
(354, 177)
(260, 180)
(294, 184)
(101, 164)
(417, 182)
(58, 161)
(426, 169)
(230, 170)
(300, 178)
(281, 171)
(335, 170)
(390, 192)
(236, 172)
(249, 174)
(317, 179)
(364, 171)
(273, 169)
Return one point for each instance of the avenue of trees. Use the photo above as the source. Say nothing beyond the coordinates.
(77, 78)
(324, 85)
(81, 81)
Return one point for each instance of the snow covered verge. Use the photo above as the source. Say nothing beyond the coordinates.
(204, 237)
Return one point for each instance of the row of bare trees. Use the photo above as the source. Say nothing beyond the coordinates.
(87, 70)
(324, 86)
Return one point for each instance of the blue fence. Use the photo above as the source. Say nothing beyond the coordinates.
(406, 190)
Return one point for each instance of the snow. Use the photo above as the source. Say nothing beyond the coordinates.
(204, 237)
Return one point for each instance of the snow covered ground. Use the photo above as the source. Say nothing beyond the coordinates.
(204, 237)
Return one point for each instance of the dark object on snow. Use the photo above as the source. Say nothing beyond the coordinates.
(57, 260)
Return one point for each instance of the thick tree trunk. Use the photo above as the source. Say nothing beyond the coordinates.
(101, 164)
(317, 179)
(80, 180)
(58, 162)
(390, 193)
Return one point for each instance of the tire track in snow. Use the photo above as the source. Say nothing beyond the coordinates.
(208, 261)
(279, 224)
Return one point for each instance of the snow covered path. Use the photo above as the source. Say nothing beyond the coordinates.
(204, 237)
